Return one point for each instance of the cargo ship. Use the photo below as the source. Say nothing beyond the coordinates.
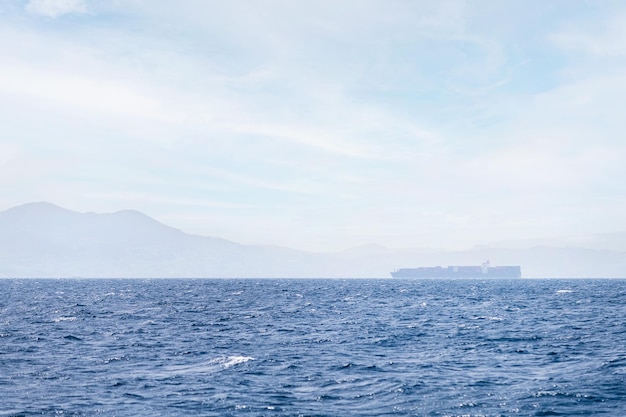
(480, 271)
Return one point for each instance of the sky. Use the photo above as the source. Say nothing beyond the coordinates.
(321, 125)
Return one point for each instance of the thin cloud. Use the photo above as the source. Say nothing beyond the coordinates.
(340, 123)
(76, 90)
(607, 39)
(55, 8)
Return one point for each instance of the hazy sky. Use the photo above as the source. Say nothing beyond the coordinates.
(321, 124)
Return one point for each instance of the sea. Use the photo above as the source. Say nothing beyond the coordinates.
(314, 347)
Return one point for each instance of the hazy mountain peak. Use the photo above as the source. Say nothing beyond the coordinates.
(130, 213)
(37, 207)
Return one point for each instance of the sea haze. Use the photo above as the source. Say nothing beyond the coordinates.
(43, 240)
(312, 347)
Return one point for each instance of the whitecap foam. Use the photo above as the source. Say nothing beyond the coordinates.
(60, 319)
(207, 367)
(564, 291)
(235, 360)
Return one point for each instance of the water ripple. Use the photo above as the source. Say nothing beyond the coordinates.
(312, 347)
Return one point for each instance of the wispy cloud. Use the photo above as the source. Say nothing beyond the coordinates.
(606, 38)
(398, 122)
(55, 8)
(81, 92)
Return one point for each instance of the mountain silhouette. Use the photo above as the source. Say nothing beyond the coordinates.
(45, 240)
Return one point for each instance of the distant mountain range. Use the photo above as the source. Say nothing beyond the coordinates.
(44, 240)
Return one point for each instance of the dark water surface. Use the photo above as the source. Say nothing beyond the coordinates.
(313, 347)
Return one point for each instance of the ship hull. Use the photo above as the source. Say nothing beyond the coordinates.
(459, 272)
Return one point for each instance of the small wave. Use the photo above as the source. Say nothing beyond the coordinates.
(208, 367)
(235, 360)
(136, 396)
(492, 318)
(116, 359)
(60, 319)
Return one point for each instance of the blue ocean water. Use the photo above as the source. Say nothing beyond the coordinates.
(312, 347)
